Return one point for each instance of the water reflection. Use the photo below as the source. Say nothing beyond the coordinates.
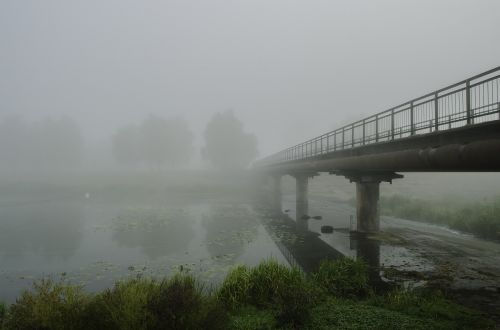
(40, 229)
(158, 232)
(229, 229)
(369, 251)
(306, 248)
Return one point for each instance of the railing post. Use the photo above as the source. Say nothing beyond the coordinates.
(436, 112)
(327, 143)
(376, 128)
(335, 141)
(363, 132)
(412, 129)
(352, 136)
(468, 103)
(321, 145)
(343, 138)
(392, 124)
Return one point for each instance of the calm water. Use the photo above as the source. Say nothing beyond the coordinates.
(95, 244)
(84, 240)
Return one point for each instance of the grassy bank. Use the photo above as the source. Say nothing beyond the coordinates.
(479, 218)
(268, 296)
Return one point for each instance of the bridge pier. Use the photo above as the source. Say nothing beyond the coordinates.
(367, 198)
(301, 201)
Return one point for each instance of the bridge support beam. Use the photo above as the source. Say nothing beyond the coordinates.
(367, 198)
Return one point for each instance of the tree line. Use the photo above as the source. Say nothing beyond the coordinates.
(156, 142)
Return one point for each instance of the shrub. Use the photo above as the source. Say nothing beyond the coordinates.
(235, 288)
(48, 306)
(3, 312)
(179, 303)
(249, 318)
(344, 277)
(269, 286)
(122, 307)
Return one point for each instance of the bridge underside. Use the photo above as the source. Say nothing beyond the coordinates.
(465, 149)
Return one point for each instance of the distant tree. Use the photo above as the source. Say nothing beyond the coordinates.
(166, 141)
(157, 142)
(226, 143)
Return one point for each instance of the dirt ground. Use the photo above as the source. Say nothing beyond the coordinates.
(465, 268)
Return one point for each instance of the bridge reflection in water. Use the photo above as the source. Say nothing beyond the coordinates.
(306, 249)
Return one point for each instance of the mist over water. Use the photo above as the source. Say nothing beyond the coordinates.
(130, 132)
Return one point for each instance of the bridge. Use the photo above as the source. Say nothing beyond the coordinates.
(455, 128)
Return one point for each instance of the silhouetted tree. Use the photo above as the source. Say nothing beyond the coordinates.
(166, 141)
(226, 144)
(156, 141)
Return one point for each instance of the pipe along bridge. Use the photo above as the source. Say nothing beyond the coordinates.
(456, 128)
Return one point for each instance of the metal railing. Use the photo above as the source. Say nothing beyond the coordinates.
(471, 101)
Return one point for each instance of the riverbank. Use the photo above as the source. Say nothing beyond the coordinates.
(480, 218)
(268, 296)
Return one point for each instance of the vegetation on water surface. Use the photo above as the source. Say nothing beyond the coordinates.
(478, 218)
(268, 296)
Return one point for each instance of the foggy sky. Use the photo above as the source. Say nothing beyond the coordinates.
(290, 70)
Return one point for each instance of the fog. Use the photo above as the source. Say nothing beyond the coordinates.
(289, 70)
(130, 140)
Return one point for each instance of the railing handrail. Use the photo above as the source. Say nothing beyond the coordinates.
(459, 91)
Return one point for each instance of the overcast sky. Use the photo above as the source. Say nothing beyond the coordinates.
(289, 69)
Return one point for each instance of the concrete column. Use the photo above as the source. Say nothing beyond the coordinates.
(301, 201)
(367, 206)
(367, 197)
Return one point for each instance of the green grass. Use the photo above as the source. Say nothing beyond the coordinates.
(268, 296)
(3, 312)
(345, 277)
(283, 290)
(479, 218)
(49, 306)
